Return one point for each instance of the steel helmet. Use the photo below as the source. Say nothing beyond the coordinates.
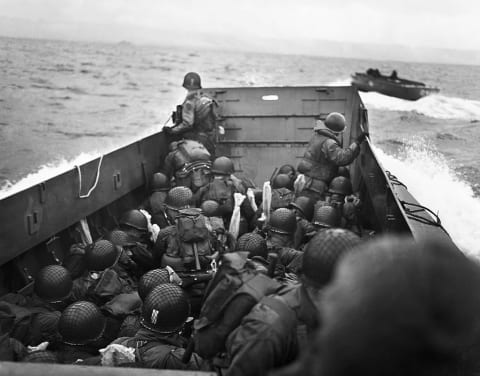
(305, 205)
(340, 185)
(252, 243)
(222, 166)
(287, 169)
(53, 283)
(179, 198)
(160, 182)
(100, 255)
(326, 216)
(118, 237)
(80, 323)
(281, 181)
(210, 208)
(134, 219)
(322, 253)
(283, 221)
(152, 279)
(417, 304)
(335, 122)
(192, 81)
(165, 309)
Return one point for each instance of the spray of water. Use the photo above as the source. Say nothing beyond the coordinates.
(428, 177)
(435, 106)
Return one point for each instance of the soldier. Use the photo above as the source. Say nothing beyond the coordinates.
(272, 333)
(238, 285)
(411, 302)
(282, 195)
(291, 172)
(189, 163)
(303, 208)
(83, 330)
(280, 237)
(324, 155)
(221, 188)
(101, 282)
(326, 216)
(138, 247)
(155, 203)
(197, 118)
(158, 344)
(147, 283)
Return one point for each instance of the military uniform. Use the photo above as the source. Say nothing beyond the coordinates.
(198, 120)
(161, 351)
(321, 160)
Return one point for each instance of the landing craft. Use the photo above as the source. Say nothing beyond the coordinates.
(264, 127)
(392, 85)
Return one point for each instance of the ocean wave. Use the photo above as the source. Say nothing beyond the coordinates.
(435, 106)
(434, 184)
(45, 172)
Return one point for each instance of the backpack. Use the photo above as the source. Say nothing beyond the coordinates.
(281, 198)
(187, 152)
(232, 280)
(189, 237)
(206, 116)
(221, 191)
(191, 226)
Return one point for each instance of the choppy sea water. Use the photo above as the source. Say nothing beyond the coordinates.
(63, 103)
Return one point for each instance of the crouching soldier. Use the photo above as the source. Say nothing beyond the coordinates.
(155, 202)
(83, 330)
(158, 343)
(189, 163)
(187, 246)
(101, 282)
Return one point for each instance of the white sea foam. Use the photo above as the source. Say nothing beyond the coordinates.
(55, 168)
(430, 180)
(435, 106)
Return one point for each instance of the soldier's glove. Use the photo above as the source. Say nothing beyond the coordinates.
(362, 137)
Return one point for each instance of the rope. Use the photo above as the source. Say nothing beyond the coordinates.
(394, 180)
(419, 208)
(94, 184)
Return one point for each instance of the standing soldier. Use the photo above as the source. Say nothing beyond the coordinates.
(196, 118)
(324, 155)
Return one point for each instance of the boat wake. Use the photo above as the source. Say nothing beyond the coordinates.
(435, 106)
(431, 181)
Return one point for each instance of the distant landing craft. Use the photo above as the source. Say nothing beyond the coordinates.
(391, 85)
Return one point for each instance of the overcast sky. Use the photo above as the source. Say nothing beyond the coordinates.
(430, 23)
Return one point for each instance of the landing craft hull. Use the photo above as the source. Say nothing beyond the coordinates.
(400, 88)
(265, 128)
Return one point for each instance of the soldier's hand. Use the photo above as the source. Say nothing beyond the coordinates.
(168, 131)
(362, 137)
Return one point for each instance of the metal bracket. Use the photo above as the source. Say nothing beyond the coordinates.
(33, 222)
(117, 180)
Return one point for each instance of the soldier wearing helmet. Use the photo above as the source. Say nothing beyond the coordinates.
(324, 154)
(422, 291)
(280, 238)
(103, 280)
(196, 119)
(303, 208)
(154, 204)
(222, 188)
(158, 343)
(276, 328)
(83, 330)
